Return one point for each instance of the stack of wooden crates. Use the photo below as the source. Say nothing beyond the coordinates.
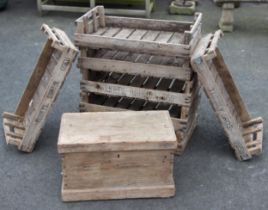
(139, 64)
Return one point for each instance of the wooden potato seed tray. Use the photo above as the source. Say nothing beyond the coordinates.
(245, 134)
(24, 126)
(139, 64)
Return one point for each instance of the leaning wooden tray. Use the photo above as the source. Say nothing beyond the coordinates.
(24, 126)
(245, 134)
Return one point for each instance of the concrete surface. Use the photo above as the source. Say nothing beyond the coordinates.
(207, 176)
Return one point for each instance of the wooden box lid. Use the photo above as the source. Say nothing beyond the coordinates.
(116, 131)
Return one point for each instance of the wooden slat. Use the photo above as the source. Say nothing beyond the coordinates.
(124, 33)
(13, 141)
(15, 124)
(176, 38)
(95, 42)
(12, 116)
(253, 121)
(14, 135)
(197, 23)
(164, 37)
(111, 32)
(231, 88)
(148, 24)
(111, 193)
(98, 64)
(133, 92)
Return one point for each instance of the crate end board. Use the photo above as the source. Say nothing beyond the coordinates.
(23, 128)
(244, 133)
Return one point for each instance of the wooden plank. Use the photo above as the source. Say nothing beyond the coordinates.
(133, 92)
(197, 23)
(96, 42)
(35, 79)
(11, 116)
(118, 193)
(164, 37)
(176, 38)
(124, 33)
(231, 88)
(138, 34)
(148, 24)
(153, 70)
(111, 32)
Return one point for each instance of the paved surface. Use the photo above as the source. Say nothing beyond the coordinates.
(207, 176)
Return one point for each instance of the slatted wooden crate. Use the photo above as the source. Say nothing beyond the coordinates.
(114, 156)
(139, 64)
(245, 134)
(24, 126)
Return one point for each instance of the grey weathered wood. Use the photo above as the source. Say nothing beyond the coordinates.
(134, 92)
(23, 128)
(101, 40)
(226, 100)
(108, 65)
(96, 42)
(148, 24)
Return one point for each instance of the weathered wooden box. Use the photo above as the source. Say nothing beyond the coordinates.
(112, 155)
(139, 64)
(23, 127)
